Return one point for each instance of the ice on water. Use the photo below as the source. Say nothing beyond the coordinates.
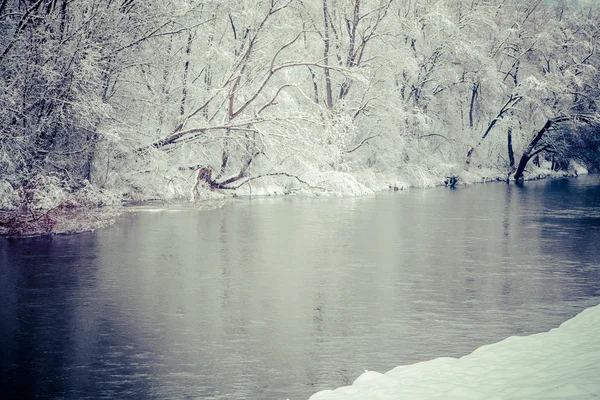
(563, 363)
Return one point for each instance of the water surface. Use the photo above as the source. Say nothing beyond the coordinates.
(278, 298)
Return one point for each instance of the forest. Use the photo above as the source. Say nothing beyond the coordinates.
(104, 101)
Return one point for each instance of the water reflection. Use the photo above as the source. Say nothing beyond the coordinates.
(279, 298)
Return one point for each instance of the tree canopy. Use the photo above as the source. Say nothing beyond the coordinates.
(174, 98)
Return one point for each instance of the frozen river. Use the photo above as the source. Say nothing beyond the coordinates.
(277, 298)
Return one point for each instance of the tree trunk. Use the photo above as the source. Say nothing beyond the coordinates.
(186, 68)
(328, 90)
(511, 156)
(530, 152)
(2, 5)
(351, 59)
(511, 102)
(63, 20)
(315, 85)
(474, 91)
(511, 153)
(91, 156)
(164, 90)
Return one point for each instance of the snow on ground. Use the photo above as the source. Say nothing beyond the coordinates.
(563, 363)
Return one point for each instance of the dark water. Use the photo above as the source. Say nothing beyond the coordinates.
(280, 298)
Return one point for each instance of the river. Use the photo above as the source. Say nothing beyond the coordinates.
(276, 298)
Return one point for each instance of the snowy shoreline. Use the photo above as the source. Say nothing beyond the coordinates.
(559, 364)
(72, 218)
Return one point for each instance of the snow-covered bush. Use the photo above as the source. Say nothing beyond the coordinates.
(9, 197)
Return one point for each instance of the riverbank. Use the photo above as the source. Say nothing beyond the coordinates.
(561, 363)
(45, 207)
(89, 209)
(61, 220)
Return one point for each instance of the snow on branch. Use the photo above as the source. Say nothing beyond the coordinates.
(358, 146)
(296, 177)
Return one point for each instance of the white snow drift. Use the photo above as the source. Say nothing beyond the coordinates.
(563, 363)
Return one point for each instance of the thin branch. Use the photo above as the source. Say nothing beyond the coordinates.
(443, 137)
(361, 143)
(270, 75)
(153, 34)
(276, 174)
(171, 139)
(24, 20)
(196, 111)
(272, 101)
(533, 154)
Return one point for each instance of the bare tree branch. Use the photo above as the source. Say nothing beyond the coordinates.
(276, 174)
(362, 142)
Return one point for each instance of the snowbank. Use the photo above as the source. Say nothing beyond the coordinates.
(561, 364)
